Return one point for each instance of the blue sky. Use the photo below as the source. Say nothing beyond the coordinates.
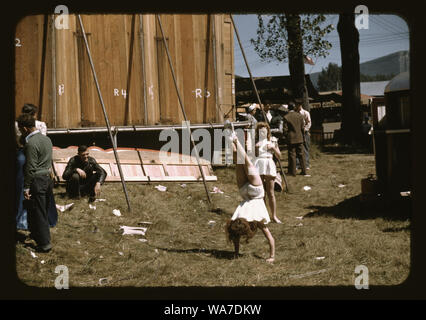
(386, 34)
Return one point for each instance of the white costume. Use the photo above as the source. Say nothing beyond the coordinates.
(264, 162)
(252, 208)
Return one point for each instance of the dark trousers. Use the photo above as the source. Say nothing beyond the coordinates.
(41, 191)
(296, 151)
(306, 146)
(76, 186)
(21, 212)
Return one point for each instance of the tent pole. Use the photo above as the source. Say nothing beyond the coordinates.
(183, 108)
(218, 115)
(104, 111)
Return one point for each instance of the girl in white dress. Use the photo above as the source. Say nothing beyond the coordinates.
(265, 164)
(251, 212)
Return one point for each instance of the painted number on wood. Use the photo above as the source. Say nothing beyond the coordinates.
(198, 93)
(18, 42)
(117, 93)
(61, 89)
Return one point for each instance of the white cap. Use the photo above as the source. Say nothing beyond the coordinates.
(251, 107)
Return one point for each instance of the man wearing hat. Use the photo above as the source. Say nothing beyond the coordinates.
(294, 127)
(251, 110)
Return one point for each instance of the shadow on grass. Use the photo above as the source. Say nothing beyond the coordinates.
(353, 208)
(345, 149)
(218, 254)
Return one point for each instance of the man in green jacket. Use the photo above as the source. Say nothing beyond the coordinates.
(38, 186)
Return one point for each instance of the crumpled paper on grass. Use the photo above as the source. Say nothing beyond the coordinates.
(161, 188)
(64, 207)
(216, 190)
(133, 230)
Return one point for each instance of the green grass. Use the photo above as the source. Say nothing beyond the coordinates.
(183, 249)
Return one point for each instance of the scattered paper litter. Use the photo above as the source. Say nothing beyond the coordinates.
(142, 240)
(103, 281)
(319, 258)
(183, 185)
(33, 254)
(116, 212)
(64, 207)
(42, 262)
(133, 230)
(216, 190)
(101, 257)
(92, 207)
(211, 222)
(121, 253)
(156, 250)
(78, 242)
(341, 186)
(306, 188)
(299, 225)
(161, 188)
(300, 218)
(100, 200)
(307, 175)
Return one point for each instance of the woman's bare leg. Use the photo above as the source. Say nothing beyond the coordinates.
(244, 162)
(271, 241)
(269, 182)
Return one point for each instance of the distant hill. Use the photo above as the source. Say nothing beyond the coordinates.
(393, 63)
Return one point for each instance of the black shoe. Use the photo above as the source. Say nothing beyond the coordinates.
(92, 199)
(44, 249)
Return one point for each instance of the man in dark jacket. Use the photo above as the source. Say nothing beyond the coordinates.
(84, 175)
(38, 185)
(294, 131)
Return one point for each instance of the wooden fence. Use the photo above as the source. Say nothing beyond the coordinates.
(52, 69)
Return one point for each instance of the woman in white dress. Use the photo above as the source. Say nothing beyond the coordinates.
(251, 212)
(265, 164)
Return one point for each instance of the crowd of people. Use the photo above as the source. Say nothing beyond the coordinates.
(256, 176)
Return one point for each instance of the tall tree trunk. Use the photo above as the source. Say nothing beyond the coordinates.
(296, 62)
(349, 40)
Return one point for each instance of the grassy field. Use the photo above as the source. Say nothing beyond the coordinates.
(326, 233)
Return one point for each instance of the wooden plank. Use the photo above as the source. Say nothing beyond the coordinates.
(152, 68)
(91, 109)
(28, 52)
(189, 61)
(135, 79)
(67, 79)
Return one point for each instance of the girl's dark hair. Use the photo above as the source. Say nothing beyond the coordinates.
(241, 228)
(30, 109)
(25, 120)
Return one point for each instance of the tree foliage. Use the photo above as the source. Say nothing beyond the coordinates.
(330, 79)
(272, 37)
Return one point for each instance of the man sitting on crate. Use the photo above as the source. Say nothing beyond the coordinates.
(83, 175)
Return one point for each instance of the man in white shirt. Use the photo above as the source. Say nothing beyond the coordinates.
(307, 117)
